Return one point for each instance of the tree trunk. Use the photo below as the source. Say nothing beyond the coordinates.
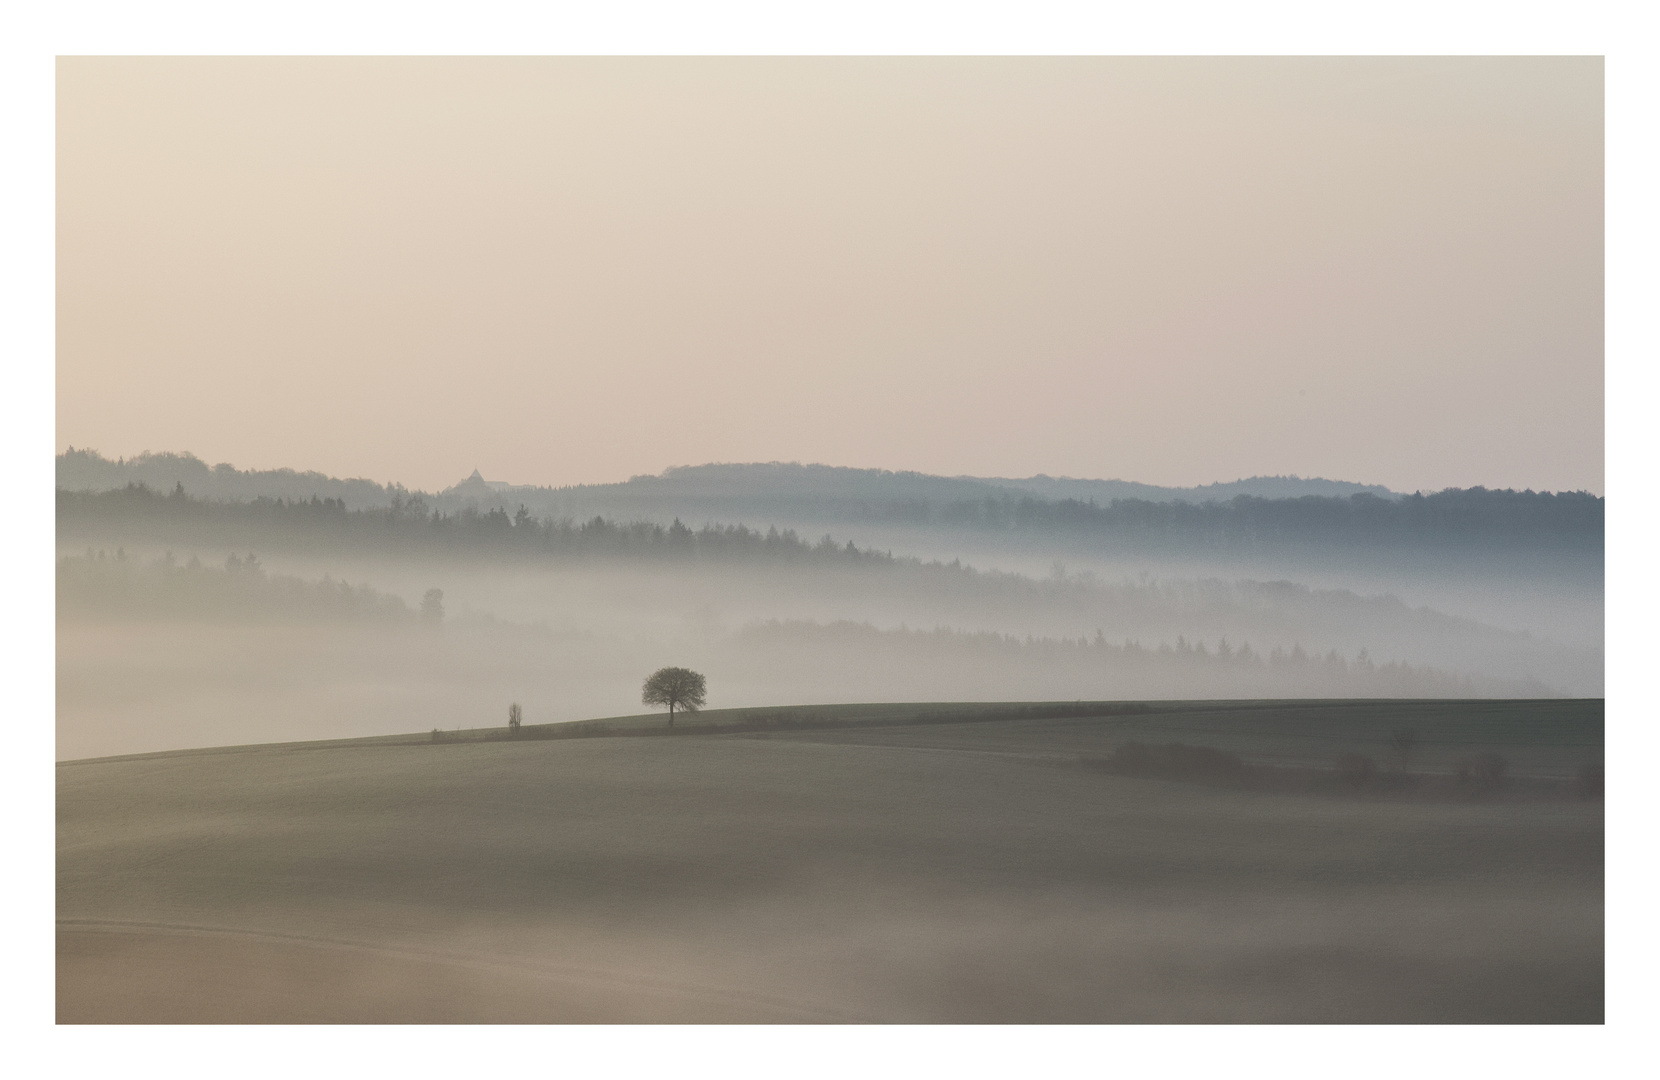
(671, 715)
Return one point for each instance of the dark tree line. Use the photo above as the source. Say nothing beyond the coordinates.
(101, 583)
(1331, 672)
(409, 525)
(85, 469)
(1474, 520)
(1452, 517)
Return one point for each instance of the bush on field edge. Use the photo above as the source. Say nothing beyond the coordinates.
(1173, 761)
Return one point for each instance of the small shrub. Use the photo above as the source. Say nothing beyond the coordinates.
(1490, 768)
(1175, 761)
(1132, 757)
(1204, 761)
(1403, 740)
(437, 736)
(1590, 780)
(1356, 769)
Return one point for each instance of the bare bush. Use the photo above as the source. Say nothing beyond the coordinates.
(1589, 780)
(1176, 761)
(1403, 740)
(1356, 769)
(1132, 757)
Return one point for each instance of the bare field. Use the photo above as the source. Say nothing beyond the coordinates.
(937, 872)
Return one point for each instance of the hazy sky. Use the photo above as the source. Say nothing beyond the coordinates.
(562, 271)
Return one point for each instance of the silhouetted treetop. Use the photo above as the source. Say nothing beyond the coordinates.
(675, 687)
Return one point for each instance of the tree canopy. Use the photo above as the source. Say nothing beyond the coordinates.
(676, 687)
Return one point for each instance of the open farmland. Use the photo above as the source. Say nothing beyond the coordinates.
(896, 863)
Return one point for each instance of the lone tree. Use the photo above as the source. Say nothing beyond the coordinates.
(514, 716)
(676, 687)
(1403, 740)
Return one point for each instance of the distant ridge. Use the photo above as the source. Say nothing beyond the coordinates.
(766, 478)
(765, 482)
(1261, 487)
(87, 470)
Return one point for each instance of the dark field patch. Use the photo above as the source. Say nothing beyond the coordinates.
(923, 873)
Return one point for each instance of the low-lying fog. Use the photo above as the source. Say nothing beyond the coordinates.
(153, 655)
(1559, 597)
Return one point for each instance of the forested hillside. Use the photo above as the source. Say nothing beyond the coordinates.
(1456, 521)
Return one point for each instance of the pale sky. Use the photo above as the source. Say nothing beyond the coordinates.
(566, 271)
